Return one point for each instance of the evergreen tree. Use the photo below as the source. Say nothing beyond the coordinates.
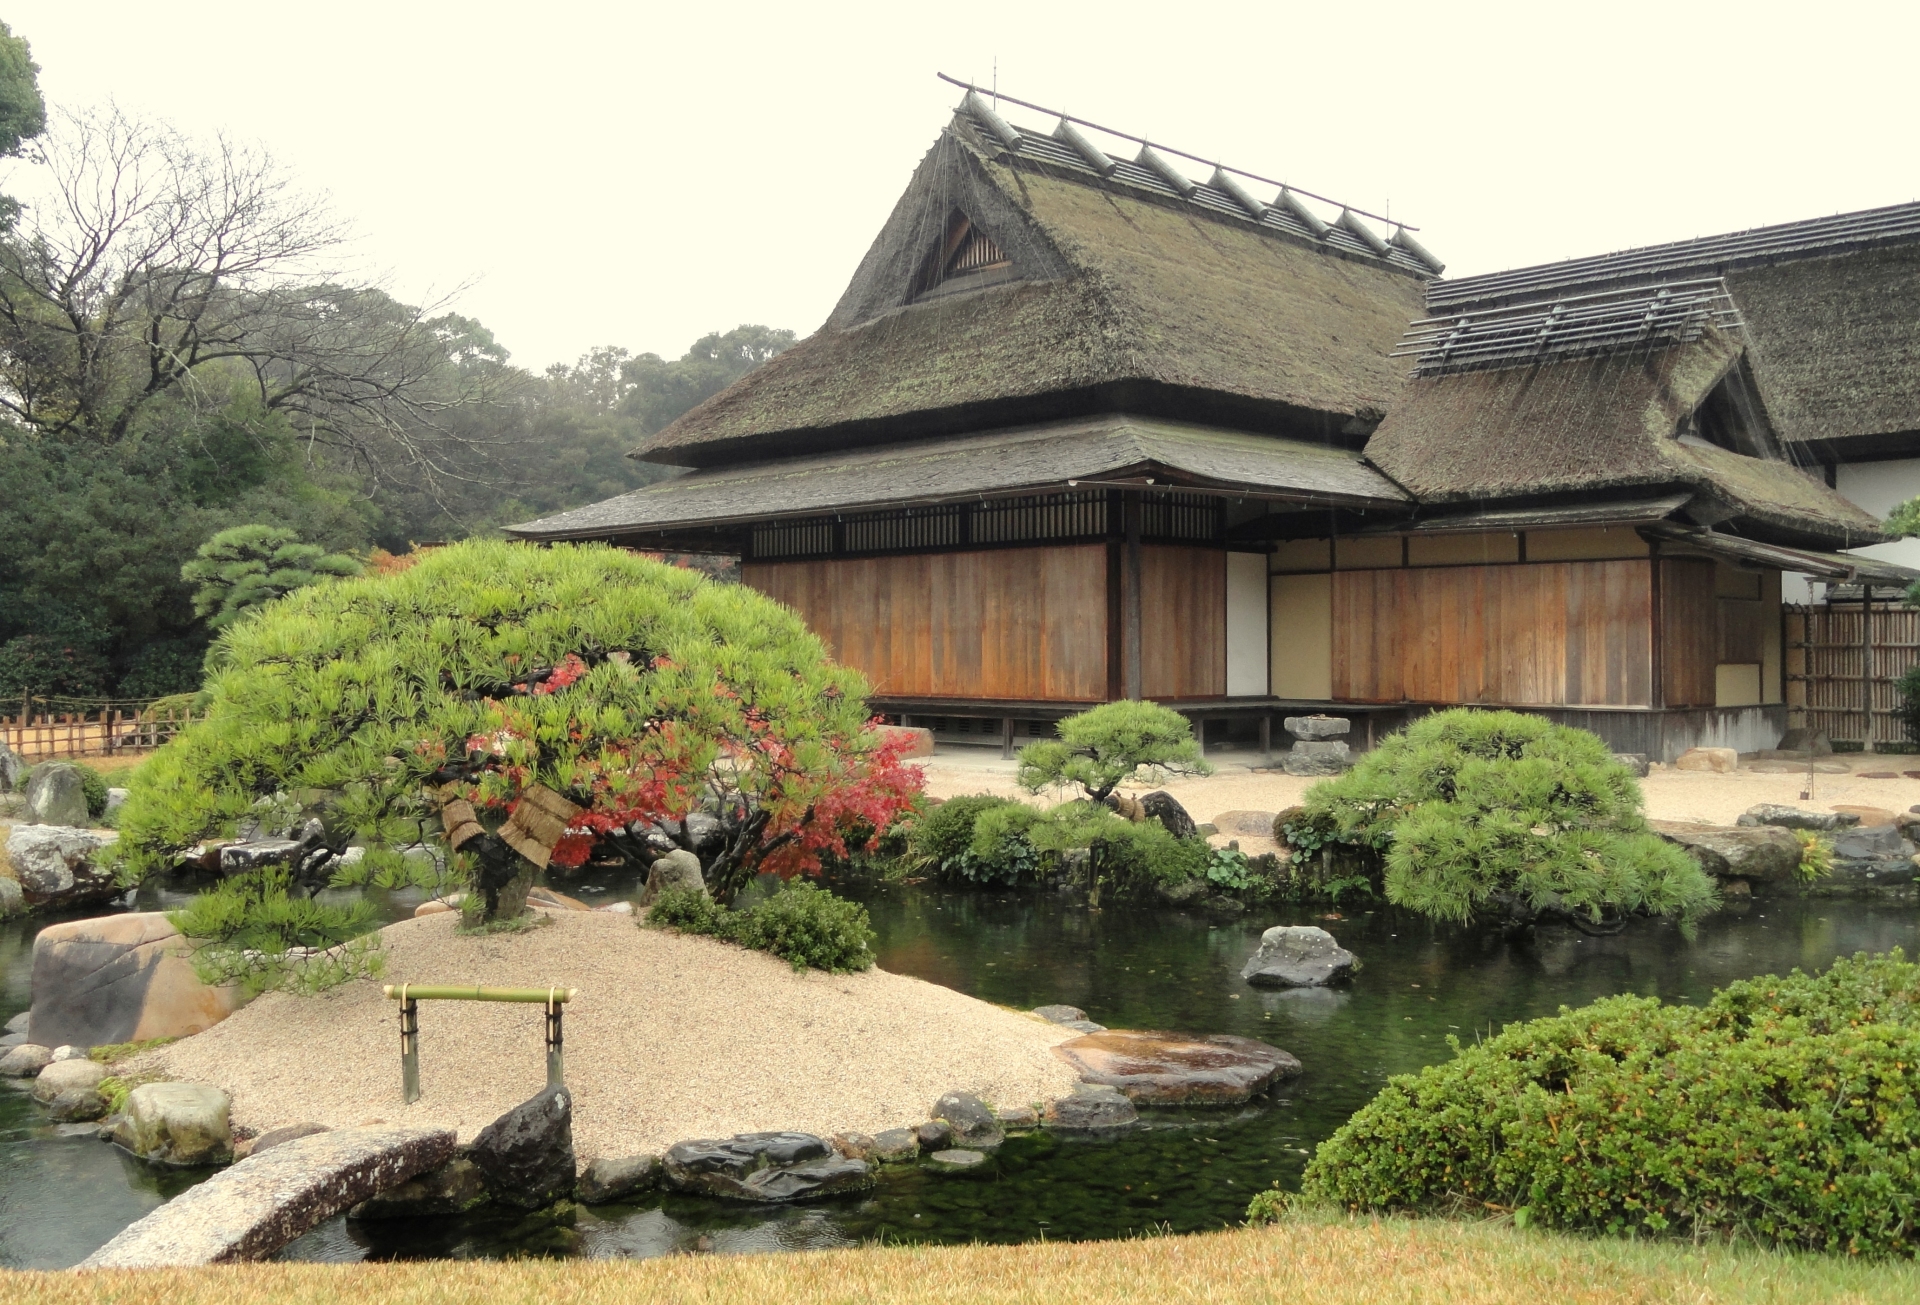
(240, 568)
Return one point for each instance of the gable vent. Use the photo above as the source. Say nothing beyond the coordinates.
(967, 257)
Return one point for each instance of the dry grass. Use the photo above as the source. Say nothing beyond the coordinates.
(1330, 1262)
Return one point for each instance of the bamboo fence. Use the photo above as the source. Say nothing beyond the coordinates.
(1844, 665)
(45, 728)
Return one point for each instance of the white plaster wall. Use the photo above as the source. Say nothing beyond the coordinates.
(1880, 487)
(1246, 625)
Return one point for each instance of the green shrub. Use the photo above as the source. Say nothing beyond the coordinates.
(802, 923)
(1472, 812)
(242, 929)
(1785, 1109)
(950, 840)
(1103, 747)
(1816, 857)
(93, 785)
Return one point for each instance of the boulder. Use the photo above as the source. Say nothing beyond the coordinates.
(1804, 740)
(1298, 956)
(765, 1167)
(433, 906)
(120, 978)
(616, 1178)
(11, 768)
(252, 1210)
(180, 1125)
(1785, 817)
(703, 835)
(616, 908)
(1071, 1017)
(78, 1106)
(19, 1022)
(1637, 762)
(1720, 761)
(933, 1134)
(55, 796)
(1092, 1108)
(1317, 757)
(59, 1076)
(54, 864)
(526, 1155)
(116, 798)
(1871, 843)
(894, 1146)
(13, 899)
(1012, 1117)
(1865, 816)
(454, 1188)
(676, 869)
(25, 1060)
(239, 858)
(972, 1120)
(1760, 853)
(857, 1146)
(1317, 727)
(1168, 1069)
(70, 1052)
(1249, 824)
(1163, 806)
(956, 1161)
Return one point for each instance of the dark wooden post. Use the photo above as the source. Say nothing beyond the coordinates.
(1266, 739)
(1866, 663)
(1130, 677)
(1006, 738)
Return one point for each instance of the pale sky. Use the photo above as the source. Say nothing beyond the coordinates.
(603, 173)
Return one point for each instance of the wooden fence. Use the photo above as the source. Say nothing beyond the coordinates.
(1843, 664)
(39, 734)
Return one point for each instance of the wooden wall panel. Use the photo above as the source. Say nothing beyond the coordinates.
(1014, 623)
(1552, 634)
(1689, 632)
(1183, 625)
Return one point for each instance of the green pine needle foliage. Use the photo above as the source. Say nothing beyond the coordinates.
(1785, 1110)
(1497, 812)
(1099, 749)
(244, 566)
(242, 929)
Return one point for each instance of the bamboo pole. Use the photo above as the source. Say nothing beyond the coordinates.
(423, 992)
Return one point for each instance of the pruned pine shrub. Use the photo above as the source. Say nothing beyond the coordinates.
(243, 930)
(802, 923)
(1103, 747)
(1496, 812)
(1785, 1109)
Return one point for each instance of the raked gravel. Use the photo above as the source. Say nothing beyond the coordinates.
(670, 1038)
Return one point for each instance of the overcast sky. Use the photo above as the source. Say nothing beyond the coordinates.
(631, 174)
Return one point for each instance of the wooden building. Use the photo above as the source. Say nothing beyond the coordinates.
(1082, 428)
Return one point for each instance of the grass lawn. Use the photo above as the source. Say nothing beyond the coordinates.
(1329, 1262)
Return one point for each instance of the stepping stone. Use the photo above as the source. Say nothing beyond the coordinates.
(956, 1161)
(1879, 774)
(1167, 1069)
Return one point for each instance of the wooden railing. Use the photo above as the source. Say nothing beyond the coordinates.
(43, 728)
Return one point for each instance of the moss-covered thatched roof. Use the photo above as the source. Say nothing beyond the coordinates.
(1119, 299)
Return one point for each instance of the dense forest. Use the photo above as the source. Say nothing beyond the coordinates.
(180, 354)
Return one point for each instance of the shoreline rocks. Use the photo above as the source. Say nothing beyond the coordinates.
(526, 1156)
(177, 1125)
(1298, 956)
(54, 866)
(765, 1168)
(1756, 853)
(1166, 1069)
(614, 1179)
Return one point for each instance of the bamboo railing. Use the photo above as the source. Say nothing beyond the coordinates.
(45, 728)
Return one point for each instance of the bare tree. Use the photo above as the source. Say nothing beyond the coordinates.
(153, 264)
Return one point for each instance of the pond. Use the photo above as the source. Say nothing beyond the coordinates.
(1128, 967)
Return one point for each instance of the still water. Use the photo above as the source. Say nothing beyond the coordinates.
(1128, 967)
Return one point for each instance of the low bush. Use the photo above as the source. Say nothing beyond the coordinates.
(1476, 812)
(93, 786)
(803, 924)
(949, 841)
(243, 928)
(1785, 1109)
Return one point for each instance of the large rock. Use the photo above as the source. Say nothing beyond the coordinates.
(11, 768)
(55, 867)
(77, 1105)
(616, 1178)
(1772, 813)
(526, 1155)
(13, 899)
(1760, 854)
(454, 1188)
(1297, 956)
(25, 1060)
(1317, 727)
(892, 1146)
(1092, 1108)
(1871, 843)
(676, 869)
(1247, 824)
(181, 1125)
(765, 1167)
(1317, 757)
(250, 1211)
(1174, 1069)
(1637, 762)
(1719, 761)
(120, 978)
(55, 795)
(61, 1075)
(240, 858)
(1163, 806)
(703, 835)
(973, 1122)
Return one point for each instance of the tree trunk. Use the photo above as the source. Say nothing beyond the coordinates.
(511, 901)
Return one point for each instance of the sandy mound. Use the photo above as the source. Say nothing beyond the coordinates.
(670, 1038)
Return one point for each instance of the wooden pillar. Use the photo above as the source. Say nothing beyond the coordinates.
(1006, 738)
(1130, 677)
(1866, 664)
(1266, 739)
(1200, 732)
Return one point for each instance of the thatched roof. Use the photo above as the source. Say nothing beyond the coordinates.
(1035, 458)
(1113, 297)
(1620, 422)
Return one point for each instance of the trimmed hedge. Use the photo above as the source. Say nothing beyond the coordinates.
(803, 924)
(1786, 1110)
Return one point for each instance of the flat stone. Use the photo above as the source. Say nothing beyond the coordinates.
(1871, 843)
(1175, 1069)
(1720, 761)
(120, 978)
(59, 1076)
(454, 1188)
(616, 908)
(1017, 1116)
(1252, 824)
(281, 1136)
(526, 1155)
(1298, 956)
(255, 1208)
(433, 906)
(1773, 813)
(765, 1168)
(1637, 762)
(1762, 853)
(1799, 768)
(956, 1160)
(1312, 757)
(1071, 1017)
(1092, 1108)
(54, 864)
(613, 1178)
(541, 895)
(180, 1125)
(1317, 727)
(892, 1146)
(972, 1120)
(1866, 817)
(1803, 739)
(56, 796)
(239, 858)
(25, 1060)
(676, 869)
